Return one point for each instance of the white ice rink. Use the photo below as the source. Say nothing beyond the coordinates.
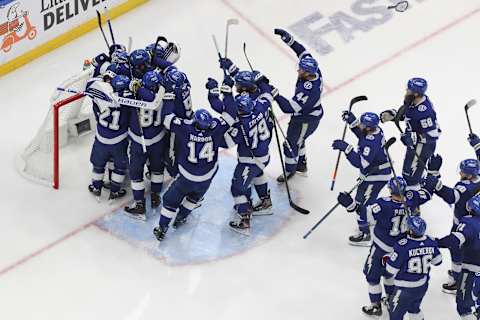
(56, 264)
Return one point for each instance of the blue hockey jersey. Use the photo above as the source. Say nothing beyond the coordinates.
(253, 135)
(459, 195)
(411, 260)
(112, 119)
(389, 218)
(468, 238)
(197, 153)
(149, 120)
(183, 101)
(370, 156)
(422, 119)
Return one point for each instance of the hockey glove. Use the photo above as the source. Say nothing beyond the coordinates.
(348, 117)
(346, 201)
(228, 65)
(212, 86)
(227, 85)
(409, 139)
(100, 59)
(286, 37)
(474, 141)
(135, 84)
(388, 115)
(342, 146)
(435, 164)
(432, 183)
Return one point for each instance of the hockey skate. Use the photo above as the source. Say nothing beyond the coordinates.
(241, 224)
(281, 178)
(117, 195)
(179, 221)
(264, 207)
(137, 210)
(154, 200)
(360, 239)
(96, 192)
(373, 309)
(159, 233)
(302, 168)
(450, 287)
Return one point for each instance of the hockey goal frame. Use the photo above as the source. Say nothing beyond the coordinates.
(56, 135)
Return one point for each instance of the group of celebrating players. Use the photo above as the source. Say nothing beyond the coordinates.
(146, 125)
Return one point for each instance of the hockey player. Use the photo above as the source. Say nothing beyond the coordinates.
(120, 63)
(410, 265)
(476, 293)
(422, 131)
(305, 107)
(197, 156)
(111, 135)
(466, 238)
(146, 130)
(464, 190)
(140, 64)
(474, 141)
(389, 217)
(372, 161)
(183, 109)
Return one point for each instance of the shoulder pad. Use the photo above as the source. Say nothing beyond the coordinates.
(422, 108)
(308, 85)
(403, 241)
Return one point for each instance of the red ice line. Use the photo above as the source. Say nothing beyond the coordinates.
(263, 34)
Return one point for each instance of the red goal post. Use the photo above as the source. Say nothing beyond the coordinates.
(69, 117)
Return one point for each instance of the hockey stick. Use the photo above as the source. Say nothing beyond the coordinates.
(352, 102)
(469, 104)
(129, 46)
(401, 6)
(230, 22)
(109, 24)
(99, 20)
(218, 52)
(246, 56)
(292, 204)
(360, 180)
(154, 54)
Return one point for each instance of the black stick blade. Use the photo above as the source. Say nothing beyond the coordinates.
(298, 209)
(357, 99)
(470, 104)
(389, 143)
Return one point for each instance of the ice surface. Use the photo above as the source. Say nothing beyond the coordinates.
(56, 264)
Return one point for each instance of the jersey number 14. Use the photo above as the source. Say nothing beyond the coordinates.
(206, 152)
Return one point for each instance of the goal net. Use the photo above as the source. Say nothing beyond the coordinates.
(69, 116)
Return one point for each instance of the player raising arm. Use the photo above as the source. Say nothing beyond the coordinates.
(197, 157)
(474, 141)
(305, 107)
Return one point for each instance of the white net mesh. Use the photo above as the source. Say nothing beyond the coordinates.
(36, 161)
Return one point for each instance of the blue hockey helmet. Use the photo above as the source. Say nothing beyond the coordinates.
(470, 167)
(120, 83)
(416, 225)
(202, 119)
(397, 186)
(139, 57)
(119, 56)
(245, 79)
(308, 64)
(175, 77)
(473, 205)
(245, 104)
(417, 85)
(369, 120)
(151, 80)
